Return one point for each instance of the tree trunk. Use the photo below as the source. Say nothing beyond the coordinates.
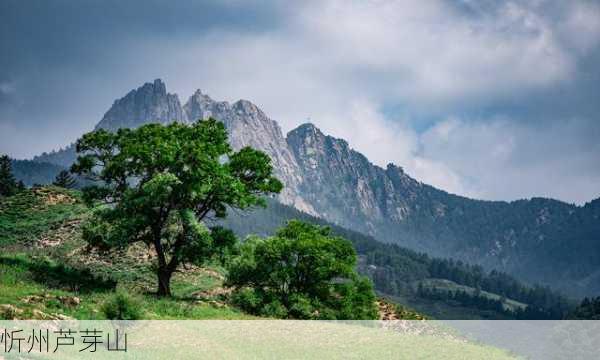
(164, 282)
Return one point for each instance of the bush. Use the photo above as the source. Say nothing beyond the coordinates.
(122, 306)
(304, 272)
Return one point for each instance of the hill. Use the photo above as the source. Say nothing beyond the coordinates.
(47, 271)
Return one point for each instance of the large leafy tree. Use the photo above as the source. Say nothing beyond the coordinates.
(158, 184)
(65, 180)
(305, 272)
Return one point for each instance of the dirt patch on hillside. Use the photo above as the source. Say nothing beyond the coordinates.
(55, 199)
(217, 292)
(386, 311)
(67, 231)
(50, 198)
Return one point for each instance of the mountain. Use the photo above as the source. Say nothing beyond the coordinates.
(249, 126)
(345, 188)
(537, 240)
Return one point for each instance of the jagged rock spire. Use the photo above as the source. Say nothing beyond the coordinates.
(146, 104)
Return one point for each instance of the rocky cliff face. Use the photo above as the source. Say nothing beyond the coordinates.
(249, 126)
(344, 187)
(148, 103)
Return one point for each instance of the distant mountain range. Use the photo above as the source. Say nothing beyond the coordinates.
(537, 240)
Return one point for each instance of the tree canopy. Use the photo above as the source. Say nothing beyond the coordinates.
(8, 183)
(64, 180)
(158, 182)
(302, 272)
(589, 309)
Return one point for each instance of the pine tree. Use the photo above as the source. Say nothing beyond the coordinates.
(8, 184)
(64, 180)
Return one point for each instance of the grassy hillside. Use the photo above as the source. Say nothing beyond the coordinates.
(44, 264)
(448, 285)
(450, 308)
(25, 217)
(48, 272)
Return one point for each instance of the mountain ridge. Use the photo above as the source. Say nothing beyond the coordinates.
(325, 177)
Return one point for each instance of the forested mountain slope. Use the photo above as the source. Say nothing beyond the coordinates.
(437, 287)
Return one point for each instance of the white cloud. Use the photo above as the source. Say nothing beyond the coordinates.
(581, 26)
(429, 56)
(430, 53)
(505, 159)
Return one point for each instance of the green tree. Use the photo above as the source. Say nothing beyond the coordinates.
(65, 180)
(589, 309)
(8, 184)
(161, 182)
(302, 272)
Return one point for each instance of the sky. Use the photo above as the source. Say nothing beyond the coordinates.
(489, 99)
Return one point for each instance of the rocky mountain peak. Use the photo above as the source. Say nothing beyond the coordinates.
(245, 107)
(146, 104)
(158, 86)
(199, 106)
(248, 125)
(305, 130)
(309, 141)
(391, 167)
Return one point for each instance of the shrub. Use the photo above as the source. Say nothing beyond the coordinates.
(122, 306)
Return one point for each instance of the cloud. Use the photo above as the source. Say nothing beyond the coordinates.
(476, 88)
(6, 88)
(431, 53)
(383, 140)
(503, 159)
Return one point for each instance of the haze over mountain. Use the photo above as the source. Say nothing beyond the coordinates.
(540, 240)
